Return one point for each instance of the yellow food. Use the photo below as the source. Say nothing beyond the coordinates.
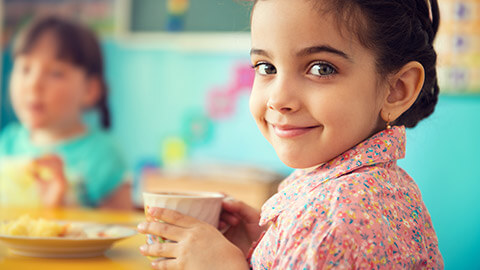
(18, 179)
(28, 226)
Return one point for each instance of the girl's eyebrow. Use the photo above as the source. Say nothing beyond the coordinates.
(308, 51)
(323, 48)
(259, 52)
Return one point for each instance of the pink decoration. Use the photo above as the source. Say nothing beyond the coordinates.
(220, 104)
(244, 75)
(221, 101)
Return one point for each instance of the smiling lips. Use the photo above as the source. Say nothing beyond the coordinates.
(289, 131)
(36, 107)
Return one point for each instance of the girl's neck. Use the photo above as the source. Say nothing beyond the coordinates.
(55, 135)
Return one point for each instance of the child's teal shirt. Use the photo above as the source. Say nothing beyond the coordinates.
(92, 162)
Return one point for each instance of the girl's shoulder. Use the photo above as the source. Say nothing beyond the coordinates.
(99, 140)
(14, 138)
(12, 130)
(97, 145)
(366, 191)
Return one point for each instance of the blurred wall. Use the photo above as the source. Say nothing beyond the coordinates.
(155, 93)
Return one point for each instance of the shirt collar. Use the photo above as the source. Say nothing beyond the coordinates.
(385, 146)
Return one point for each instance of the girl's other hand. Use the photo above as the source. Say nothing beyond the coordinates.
(241, 224)
(197, 245)
(49, 174)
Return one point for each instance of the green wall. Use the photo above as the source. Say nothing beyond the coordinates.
(201, 15)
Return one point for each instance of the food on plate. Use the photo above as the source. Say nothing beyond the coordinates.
(40, 227)
(28, 226)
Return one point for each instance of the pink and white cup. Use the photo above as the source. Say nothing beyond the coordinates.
(204, 206)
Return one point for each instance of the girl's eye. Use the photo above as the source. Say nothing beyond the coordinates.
(265, 68)
(322, 69)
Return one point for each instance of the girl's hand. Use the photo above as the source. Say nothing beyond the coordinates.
(242, 223)
(51, 180)
(197, 245)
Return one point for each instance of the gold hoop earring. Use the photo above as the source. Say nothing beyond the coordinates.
(388, 122)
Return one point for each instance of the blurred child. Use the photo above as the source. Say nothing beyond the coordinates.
(336, 84)
(57, 76)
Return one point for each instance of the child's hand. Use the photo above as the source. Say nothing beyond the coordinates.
(197, 245)
(242, 223)
(51, 180)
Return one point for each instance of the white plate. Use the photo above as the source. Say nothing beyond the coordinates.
(64, 247)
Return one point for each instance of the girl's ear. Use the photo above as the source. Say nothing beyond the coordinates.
(93, 92)
(403, 90)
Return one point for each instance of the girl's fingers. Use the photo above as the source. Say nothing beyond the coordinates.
(167, 250)
(173, 217)
(48, 168)
(52, 161)
(243, 210)
(164, 264)
(168, 231)
(229, 218)
(222, 225)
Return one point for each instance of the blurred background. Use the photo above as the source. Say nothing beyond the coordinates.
(179, 77)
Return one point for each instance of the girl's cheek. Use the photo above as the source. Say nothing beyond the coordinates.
(256, 106)
(15, 81)
(15, 91)
(258, 99)
(252, 102)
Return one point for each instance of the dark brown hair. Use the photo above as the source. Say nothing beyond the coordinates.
(397, 31)
(76, 44)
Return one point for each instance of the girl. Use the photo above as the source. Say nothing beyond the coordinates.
(57, 75)
(336, 84)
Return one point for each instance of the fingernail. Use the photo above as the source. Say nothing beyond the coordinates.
(142, 226)
(143, 248)
(229, 199)
(151, 211)
(154, 264)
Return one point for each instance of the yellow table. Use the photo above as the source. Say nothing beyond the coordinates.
(124, 254)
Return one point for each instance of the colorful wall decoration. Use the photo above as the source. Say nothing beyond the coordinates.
(176, 14)
(458, 46)
(221, 100)
(198, 127)
(187, 16)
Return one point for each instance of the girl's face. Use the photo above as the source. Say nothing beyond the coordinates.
(47, 92)
(316, 92)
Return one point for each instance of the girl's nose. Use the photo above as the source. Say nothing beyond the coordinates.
(277, 107)
(283, 98)
(34, 82)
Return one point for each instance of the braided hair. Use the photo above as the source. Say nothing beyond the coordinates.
(77, 45)
(401, 31)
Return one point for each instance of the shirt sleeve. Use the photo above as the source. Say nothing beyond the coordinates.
(105, 172)
(105, 178)
(7, 136)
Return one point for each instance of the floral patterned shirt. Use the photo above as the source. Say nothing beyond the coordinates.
(360, 211)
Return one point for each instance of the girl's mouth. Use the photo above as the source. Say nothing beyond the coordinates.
(290, 131)
(36, 108)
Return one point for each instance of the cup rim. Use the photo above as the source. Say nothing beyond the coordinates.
(186, 194)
